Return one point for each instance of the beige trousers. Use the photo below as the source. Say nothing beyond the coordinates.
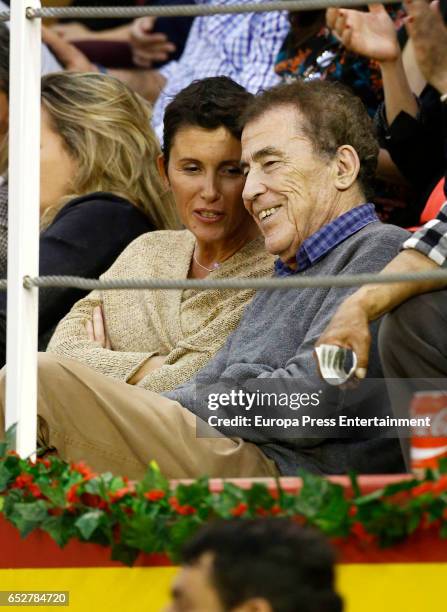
(117, 427)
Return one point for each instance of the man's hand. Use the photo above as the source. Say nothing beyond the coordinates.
(147, 46)
(69, 56)
(371, 34)
(153, 363)
(96, 329)
(426, 28)
(349, 328)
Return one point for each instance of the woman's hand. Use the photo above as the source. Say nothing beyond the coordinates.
(96, 329)
(371, 34)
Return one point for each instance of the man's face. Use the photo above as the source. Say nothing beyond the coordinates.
(289, 188)
(193, 591)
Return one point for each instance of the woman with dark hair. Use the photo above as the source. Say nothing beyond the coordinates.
(159, 339)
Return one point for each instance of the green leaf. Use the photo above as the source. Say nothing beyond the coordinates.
(442, 465)
(125, 554)
(88, 522)
(354, 484)
(11, 436)
(153, 479)
(443, 531)
(60, 528)
(5, 476)
(28, 516)
(3, 449)
(146, 533)
(2, 503)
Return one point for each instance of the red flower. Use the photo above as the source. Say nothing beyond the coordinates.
(184, 510)
(262, 512)
(72, 497)
(444, 514)
(83, 469)
(22, 481)
(440, 485)
(360, 532)
(35, 490)
(275, 510)
(120, 493)
(154, 495)
(239, 510)
(94, 501)
(55, 511)
(425, 487)
(44, 462)
(352, 511)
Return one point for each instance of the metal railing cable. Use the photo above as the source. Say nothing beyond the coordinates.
(270, 283)
(186, 10)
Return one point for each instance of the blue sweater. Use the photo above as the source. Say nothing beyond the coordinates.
(274, 345)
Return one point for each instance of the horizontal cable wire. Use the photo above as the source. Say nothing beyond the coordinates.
(290, 282)
(186, 10)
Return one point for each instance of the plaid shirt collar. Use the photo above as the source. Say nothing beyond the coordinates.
(328, 237)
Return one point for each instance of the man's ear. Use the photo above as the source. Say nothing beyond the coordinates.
(256, 604)
(162, 170)
(347, 167)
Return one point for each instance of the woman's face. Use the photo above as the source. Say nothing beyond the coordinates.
(57, 167)
(206, 180)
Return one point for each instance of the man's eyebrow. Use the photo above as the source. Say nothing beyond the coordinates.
(265, 152)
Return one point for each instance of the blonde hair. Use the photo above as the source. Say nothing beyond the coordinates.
(106, 129)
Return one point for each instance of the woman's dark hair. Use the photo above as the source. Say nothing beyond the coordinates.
(209, 103)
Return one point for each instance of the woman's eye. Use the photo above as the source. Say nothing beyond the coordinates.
(191, 168)
(232, 170)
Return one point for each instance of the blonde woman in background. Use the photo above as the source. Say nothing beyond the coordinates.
(100, 187)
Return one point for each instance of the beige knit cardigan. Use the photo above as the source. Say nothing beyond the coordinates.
(189, 326)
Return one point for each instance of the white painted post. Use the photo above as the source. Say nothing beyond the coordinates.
(23, 224)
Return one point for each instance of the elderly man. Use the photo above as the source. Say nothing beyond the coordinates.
(308, 155)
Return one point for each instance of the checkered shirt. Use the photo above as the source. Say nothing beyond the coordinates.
(242, 47)
(431, 239)
(328, 237)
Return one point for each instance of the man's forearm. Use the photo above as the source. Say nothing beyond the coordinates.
(376, 300)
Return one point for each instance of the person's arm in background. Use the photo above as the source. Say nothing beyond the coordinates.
(373, 35)
(349, 327)
(69, 57)
(427, 249)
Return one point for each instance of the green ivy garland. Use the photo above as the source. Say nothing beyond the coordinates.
(70, 501)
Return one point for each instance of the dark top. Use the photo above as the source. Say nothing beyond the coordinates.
(84, 239)
(418, 147)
